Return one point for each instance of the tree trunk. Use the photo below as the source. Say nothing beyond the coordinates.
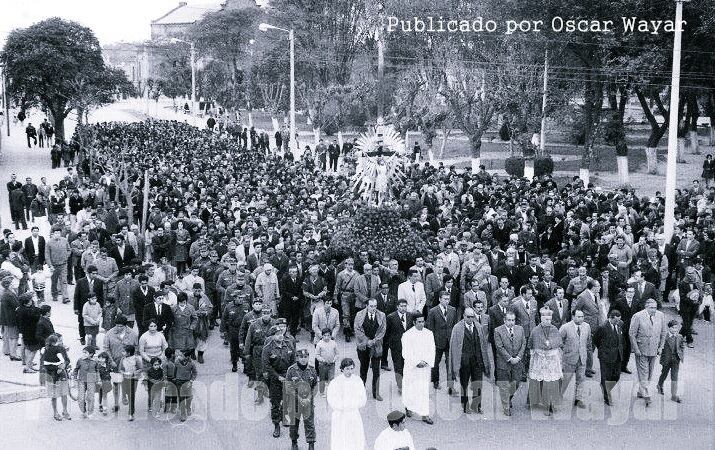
(622, 162)
(475, 142)
(693, 126)
(712, 132)
(59, 128)
(316, 135)
(681, 150)
(445, 136)
(651, 155)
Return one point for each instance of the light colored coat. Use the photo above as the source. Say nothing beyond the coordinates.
(575, 346)
(506, 347)
(322, 321)
(648, 338)
(415, 300)
(455, 348)
(379, 335)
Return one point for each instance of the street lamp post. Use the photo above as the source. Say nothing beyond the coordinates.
(192, 48)
(293, 139)
(671, 171)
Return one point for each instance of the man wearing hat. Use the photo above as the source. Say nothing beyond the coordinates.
(256, 336)
(250, 317)
(210, 272)
(226, 278)
(277, 356)
(231, 321)
(395, 436)
(298, 396)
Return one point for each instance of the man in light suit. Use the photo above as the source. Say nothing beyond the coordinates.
(559, 305)
(366, 286)
(370, 327)
(440, 320)
(325, 316)
(576, 337)
(413, 291)
(647, 334)
(510, 344)
(587, 301)
(525, 310)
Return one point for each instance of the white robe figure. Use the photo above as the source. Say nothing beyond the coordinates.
(417, 346)
(390, 439)
(346, 395)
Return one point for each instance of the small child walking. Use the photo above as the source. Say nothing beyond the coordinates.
(86, 374)
(154, 383)
(130, 367)
(105, 367)
(185, 375)
(170, 393)
(670, 358)
(326, 354)
(92, 316)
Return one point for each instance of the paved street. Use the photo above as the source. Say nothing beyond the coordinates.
(225, 416)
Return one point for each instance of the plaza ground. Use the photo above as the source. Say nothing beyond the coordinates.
(225, 416)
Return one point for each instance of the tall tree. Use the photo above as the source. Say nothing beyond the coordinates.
(57, 64)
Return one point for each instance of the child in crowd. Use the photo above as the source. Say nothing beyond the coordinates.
(109, 313)
(169, 368)
(86, 374)
(670, 358)
(54, 361)
(706, 306)
(130, 367)
(154, 382)
(104, 383)
(92, 316)
(326, 354)
(38, 285)
(185, 375)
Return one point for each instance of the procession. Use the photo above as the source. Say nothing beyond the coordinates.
(215, 268)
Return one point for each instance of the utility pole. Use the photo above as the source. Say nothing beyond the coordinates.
(380, 41)
(542, 138)
(671, 171)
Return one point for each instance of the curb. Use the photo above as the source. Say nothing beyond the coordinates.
(24, 395)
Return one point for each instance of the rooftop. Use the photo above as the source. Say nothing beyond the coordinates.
(186, 14)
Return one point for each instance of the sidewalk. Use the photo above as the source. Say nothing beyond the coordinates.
(16, 158)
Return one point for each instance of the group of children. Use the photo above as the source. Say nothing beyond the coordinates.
(171, 376)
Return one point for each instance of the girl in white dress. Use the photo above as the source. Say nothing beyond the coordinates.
(346, 395)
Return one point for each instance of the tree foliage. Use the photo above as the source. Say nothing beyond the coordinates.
(58, 64)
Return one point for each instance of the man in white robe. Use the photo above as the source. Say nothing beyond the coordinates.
(418, 351)
(395, 436)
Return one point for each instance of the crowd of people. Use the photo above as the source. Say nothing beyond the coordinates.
(521, 282)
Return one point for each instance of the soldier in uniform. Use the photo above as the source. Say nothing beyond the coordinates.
(345, 296)
(298, 396)
(255, 339)
(248, 319)
(231, 321)
(226, 278)
(239, 285)
(210, 272)
(278, 355)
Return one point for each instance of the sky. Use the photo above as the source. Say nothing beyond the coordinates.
(111, 20)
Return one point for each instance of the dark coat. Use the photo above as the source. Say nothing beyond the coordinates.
(27, 317)
(609, 344)
(8, 307)
(394, 332)
(44, 330)
(129, 256)
(673, 350)
(35, 258)
(440, 326)
(81, 293)
(166, 319)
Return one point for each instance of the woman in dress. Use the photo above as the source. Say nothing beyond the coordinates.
(545, 371)
(346, 395)
(708, 169)
(181, 247)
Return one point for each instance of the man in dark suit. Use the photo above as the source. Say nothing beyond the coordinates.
(291, 290)
(533, 269)
(142, 296)
(452, 291)
(670, 359)
(35, 249)
(122, 253)
(626, 305)
(643, 290)
(86, 287)
(560, 308)
(497, 316)
(608, 339)
(397, 323)
(387, 304)
(159, 313)
(440, 320)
